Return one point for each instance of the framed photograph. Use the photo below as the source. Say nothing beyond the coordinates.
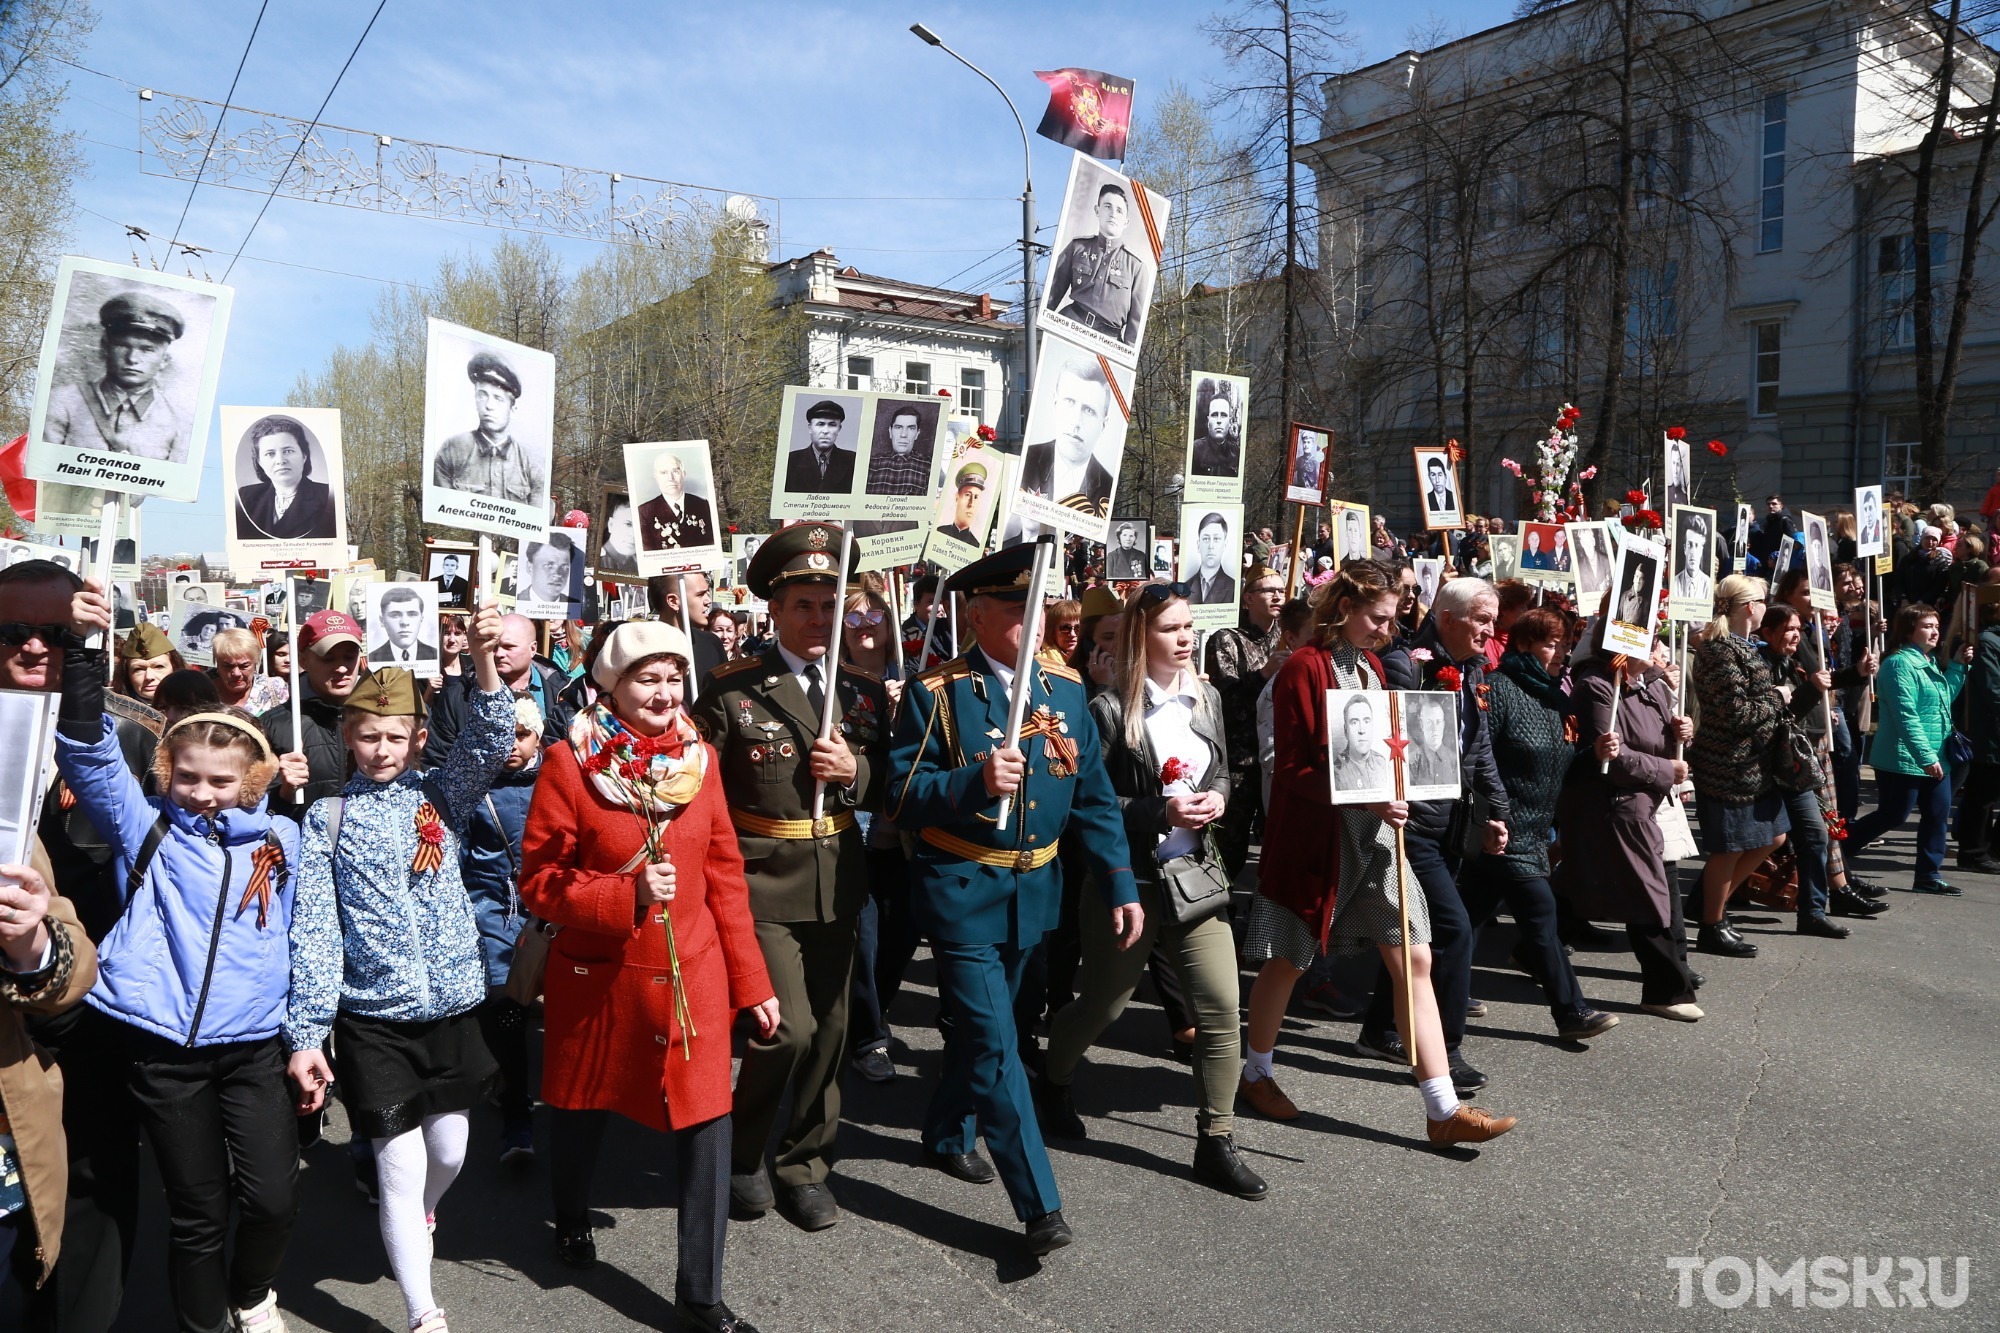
(1211, 562)
(1429, 723)
(1744, 519)
(1590, 562)
(1545, 558)
(1868, 538)
(126, 607)
(281, 481)
(506, 564)
(1357, 735)
(1163, 556)
(1430, 573)
(1819, 561)
(1075, 443)
(402, 627)
(902, 451)
(274, 604)
(1218, 414)
(349, 593)
(27, 731)
(1635, 596)
(1128, 557)
(196, 623)
(1106, 259)
(550, 585)
(1306, 464)
(1506, 550)
(1679, 473)
(615, 535)
(672, 486)
(124, 549)
(452, 567)
(1782, 558)
(312, 595)
(820, 433)
(489, 432)
(1691, 591)
(1350, 531)
(126, 383)
(968, 503)
(1437, 483)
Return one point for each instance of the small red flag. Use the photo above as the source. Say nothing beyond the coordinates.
(1089, 110)
(14, 474)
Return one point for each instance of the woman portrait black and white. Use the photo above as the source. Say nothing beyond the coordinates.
(285, 502)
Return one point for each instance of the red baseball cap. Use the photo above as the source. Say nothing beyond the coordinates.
(326, 630)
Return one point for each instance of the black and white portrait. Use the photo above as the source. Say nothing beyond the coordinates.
(550, 580)
(1691, 583)
(1218, 408)
(673, 490)
(1868, 521)
(1635, 597)
(129, 364)
(1745, 519)
(820, 433)
(1819, 561)
(1505, 548)
(489, 431)
(402, 627)
(195, 625)
(902, 446)
(1350, 532)
(350, 593)
(283, 482)
(1305, 465)
(1357, 734)
(450, 568)
(1590, 561)
(313, 595)
(1163, 557)
(27, 736)
(1128, 555)
(1437, 484)
(1075, 443)
(1679, 488)
(965, 508)
(20, 552)
(616, 535)
(1430, 760)
(1430, 573)
(1106, 259)
(125, 605)
(1211, 560)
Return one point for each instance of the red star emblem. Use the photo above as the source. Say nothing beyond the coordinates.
(1397, 745)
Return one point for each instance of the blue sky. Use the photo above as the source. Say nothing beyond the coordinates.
(835, 110)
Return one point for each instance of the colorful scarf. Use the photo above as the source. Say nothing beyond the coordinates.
(658, 774)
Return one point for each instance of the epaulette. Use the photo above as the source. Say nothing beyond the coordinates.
(736, 668)
(945, 672)
(1069, 673)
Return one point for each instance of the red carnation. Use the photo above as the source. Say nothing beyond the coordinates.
(1448, 677)
(1176, 769)
(1718, 448)
(1648, 518)
(1677, 432)
(988, 433)
(432, 832)
(1635, 497)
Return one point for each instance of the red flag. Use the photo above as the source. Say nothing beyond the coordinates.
(1089, 110)
(14, 475)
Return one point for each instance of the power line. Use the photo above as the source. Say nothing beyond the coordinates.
(293, 159)
(227, 98)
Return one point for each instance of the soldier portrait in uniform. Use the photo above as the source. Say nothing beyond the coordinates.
(1506, 551)
(672, 487)
(1679, 487)
(128, 368)
(1106, 260)
(489, 431)
(1129, 556)
(899, 459)
(1305, 465)
(968, 487)
(1076, 443)
(402, 627)
(1357, 727)
(1350, 532)
(1217, 409)
(1430, 762)
(1163, 557)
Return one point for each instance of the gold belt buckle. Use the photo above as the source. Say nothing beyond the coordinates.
(1024, 860)
(823, 827)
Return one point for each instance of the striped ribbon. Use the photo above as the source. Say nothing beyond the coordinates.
(1117, 393)
(265, 865)
(430, 840)
(1145, 204)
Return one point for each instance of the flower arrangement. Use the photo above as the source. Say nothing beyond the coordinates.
(1556, 495)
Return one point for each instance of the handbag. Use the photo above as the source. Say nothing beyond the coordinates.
(1793, 758)
(1196, 885)
(1675, 832)
(1957, 749)
(1775, 884)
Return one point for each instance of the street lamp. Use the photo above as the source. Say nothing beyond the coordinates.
(1027, 222)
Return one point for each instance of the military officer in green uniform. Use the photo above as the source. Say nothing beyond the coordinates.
(808, 878)
(1097, 280)
(985, 896)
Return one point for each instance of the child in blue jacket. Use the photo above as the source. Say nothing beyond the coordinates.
(196, 970)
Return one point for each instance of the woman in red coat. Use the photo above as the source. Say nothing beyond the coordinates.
(629, 851)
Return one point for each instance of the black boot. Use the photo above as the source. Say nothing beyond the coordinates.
(1057, 1112)
(574, 1243)
(1722, 938)
(1816, 923)
(1843, 901)
(1216, 1162)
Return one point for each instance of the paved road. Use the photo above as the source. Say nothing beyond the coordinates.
(1841, 1099)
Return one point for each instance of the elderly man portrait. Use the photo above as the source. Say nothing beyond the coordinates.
(1098, 280)
(284, 503)
(674, 519)
(400, 628)
(824, 466)
(1065, 468)
(123, 410)
(489, 460)
(901, 468)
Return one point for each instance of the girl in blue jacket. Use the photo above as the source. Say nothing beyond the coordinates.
(197, 969)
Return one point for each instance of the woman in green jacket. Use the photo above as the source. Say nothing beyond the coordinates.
(1908, 754)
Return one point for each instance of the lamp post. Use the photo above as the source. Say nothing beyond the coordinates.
(1027, 223)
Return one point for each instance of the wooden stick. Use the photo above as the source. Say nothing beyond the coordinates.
(1826, 698)
(832, 660)
(1298, 551)
(952, 609)
(687, 632)
(107, 546)
(1403, 894)
(1024, 660)
(292, 618)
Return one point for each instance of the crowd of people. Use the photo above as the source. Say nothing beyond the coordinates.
(650, 848)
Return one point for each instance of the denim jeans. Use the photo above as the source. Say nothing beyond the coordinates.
(1847, 750)
(1899, 794)
(1809, 843)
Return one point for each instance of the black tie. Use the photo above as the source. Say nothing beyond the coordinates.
(815, 692)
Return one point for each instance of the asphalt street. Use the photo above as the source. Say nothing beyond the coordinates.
(1840, 1100)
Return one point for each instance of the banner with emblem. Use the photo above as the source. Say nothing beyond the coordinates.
(489, 432)
(1075, 437)
(1107, 249)
(125, 385)
(1088, 110)
(856, 456)
(671, 488)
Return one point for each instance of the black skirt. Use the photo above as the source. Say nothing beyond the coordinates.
(390, 1075)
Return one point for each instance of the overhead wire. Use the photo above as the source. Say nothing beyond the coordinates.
(221, 116)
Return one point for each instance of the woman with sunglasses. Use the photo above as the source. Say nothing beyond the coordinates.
(1160, 716)
(1328, 875)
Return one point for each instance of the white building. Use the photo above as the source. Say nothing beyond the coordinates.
(1792, 337)
(883, 334)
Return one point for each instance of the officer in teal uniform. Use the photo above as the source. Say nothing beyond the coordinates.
(984, 896)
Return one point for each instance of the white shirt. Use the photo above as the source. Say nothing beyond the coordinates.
(1170, 728)
(799, 666)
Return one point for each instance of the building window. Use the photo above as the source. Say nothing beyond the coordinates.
(972, 393)
(916, 377)
(1764, 377)
(861, 372)
(1653, 320)
(1771, 206)
(1896, 272)
(1899, 455)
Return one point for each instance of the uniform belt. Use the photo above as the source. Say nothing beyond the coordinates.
(798, 830)
(1028, 858)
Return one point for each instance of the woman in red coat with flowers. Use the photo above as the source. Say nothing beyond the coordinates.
(630, 854)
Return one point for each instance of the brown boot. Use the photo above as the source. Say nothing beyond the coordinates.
(1267, 1099)
(1468, 1124)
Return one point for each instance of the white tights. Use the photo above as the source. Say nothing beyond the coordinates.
(415, 1168)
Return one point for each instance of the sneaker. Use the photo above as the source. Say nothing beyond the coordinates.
(875, 1065)
(1384, 1046)
(517, 1142)
(1937, 888)
(1475, 1008)
(1585, 1023)
(1327, 1001)
(432, 1322)
(1465, 1080)
(263, 1317)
